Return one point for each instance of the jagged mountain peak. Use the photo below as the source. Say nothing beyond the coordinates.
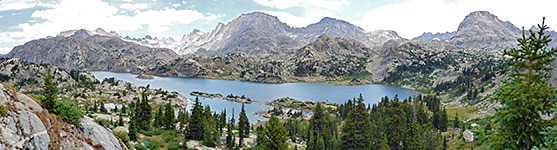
(86, 33)
(481, 29)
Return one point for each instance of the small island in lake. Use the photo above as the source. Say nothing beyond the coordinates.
(234, 98)
(144, 76)
(291, 103)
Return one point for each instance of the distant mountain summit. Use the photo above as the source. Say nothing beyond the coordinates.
(430, 36)
(263, 35)
(482, 29)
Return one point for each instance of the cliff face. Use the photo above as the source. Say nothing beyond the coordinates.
(29, 126)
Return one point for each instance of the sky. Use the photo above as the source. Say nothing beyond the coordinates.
(25, 20)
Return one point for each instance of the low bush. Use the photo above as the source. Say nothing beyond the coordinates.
(123, 136)
(68, 111)
(3, 111)
(174, 145)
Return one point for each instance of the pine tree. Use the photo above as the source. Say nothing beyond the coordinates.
(222, 120)
(357, 128)
(102, 108)
(120, 120)
(144, 113)
(123, 109)
(49, 93)
(319, 129)
(195, 124)
(169, 118)
(158, 118)
(526, 95)
(396, 129)
(243, 126)
(261, 138)
(133, 126)
(230, 140)
(443, 120)
(276, 134)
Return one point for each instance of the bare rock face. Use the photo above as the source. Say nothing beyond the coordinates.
(482, 29)
(468, 136)
(22, 128)
(98, 135)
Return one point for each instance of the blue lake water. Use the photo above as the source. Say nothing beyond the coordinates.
(262, 92)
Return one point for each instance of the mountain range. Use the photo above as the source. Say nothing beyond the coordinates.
(272, 51)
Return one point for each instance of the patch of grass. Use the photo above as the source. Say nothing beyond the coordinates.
(3, 111)
(464, 113)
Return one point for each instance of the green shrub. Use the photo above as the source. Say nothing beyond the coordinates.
(3, 111)
(68, 111)
(174, 145)
(154, 144)
(169, 135)
(103, 122)
(139, 147)
(123, 136)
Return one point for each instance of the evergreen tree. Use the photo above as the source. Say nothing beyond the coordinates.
(120, 120)
(320, 129)
(276, 135)
(169, 118)
(133, 127)
(261, 138)
(357, 128)
(195, 124)
(222, 120)
(243, 126)
(181, 118)
(49, 93)
(526, 95)
(102, 108)
(158, 118)
(443, 120)
(230, 140)
(123, 109)
(396, 128)
(144, 113)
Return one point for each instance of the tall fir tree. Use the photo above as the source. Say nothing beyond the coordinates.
(49, 93)
(396, 129)
(526, 95)
(158, 118)
(243, 126)
(169, 118)
(320, 128)
(195, 124)
(261, 138)
(145, 114)
(456, 122)
(357, 128)
(230, 139)
(275, 134)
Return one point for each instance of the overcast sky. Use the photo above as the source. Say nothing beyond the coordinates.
(24, 20)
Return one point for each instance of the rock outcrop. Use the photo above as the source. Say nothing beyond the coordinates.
(29, 126)
(22, 128)
(468, 136)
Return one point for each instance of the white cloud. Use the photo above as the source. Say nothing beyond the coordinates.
(212, 17)
(1, 17)
(312, 16)
(280, 4)
(315, 10)
(283, 4)
(5, 50)
(129, 6)
(127, 1)
(6, 5)
(412, 18)
(91, 14)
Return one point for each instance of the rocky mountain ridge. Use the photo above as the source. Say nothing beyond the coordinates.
(84, 51)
